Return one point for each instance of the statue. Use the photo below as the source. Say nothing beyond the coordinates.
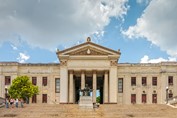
(86, 91)
(85, 100)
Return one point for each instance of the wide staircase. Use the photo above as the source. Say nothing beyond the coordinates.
(2, 100)
(104, 111)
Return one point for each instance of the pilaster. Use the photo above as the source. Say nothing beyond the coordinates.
(63, 84)
(105, 87)
(82, 79)
(71, 87)
(94, 86)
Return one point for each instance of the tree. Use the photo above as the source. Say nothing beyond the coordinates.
(22, 87)
(98, 99)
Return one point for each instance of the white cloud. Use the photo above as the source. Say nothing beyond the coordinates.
(46, 23)
(146, 59)
(23, 57)
(142, 1)
(158, 24)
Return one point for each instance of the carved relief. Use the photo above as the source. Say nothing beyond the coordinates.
(63, 63)
(113, 63)
(88, 51)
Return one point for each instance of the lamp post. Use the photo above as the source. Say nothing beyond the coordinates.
(6, 101)
(5, 92)
(167, 95)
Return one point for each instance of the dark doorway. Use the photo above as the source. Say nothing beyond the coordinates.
(77, 88)
(34, 99)
(133, 98)
(88, 81)
(44, 98)
(99, 93)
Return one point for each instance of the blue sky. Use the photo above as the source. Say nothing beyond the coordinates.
(144, 30)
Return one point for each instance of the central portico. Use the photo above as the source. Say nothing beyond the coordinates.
(91, 64)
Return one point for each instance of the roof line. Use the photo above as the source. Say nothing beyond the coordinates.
(88, 42)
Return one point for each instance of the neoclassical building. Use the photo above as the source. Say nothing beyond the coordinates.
(98, 67)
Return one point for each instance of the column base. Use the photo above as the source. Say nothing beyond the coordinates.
(110, 103)
(63, 102)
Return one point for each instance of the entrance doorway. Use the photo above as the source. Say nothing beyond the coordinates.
(77, 88)
(44, 98)
(99, 93)
(89, 82)
(34, 99)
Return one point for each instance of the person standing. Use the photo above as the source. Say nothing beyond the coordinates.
(11, 102)
(7, 102)
(16, 102)
(21, 102)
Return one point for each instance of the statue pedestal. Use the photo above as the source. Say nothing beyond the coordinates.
(85, 102)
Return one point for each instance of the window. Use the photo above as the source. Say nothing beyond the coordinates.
(143, 98)
(34, 99)
(170, 80)
(154, 81)
(44, 81)
(7, 80)
(44, 98)
(144, 81)
(34, 80)
(57, 85)
(120, 85)
(133, 98)
(170, 95)
(154, 98)
(133, 81)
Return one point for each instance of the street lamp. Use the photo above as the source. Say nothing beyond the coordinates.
(167, 95)
(6, 101)
(5, 92)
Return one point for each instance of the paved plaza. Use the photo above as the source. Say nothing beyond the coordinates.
(104, 111)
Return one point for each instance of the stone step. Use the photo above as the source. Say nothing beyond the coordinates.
(105, 111)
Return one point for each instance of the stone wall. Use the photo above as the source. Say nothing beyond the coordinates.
(125, 71)
(159, 70)
(51, 71)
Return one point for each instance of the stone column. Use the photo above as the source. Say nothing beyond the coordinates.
(2, 86)
(64, 84)
(82, 79)
(94, 86)
(113, 86)
(71, 87)
(105, 87)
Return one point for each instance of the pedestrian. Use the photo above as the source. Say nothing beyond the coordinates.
(16, 102)
(7, 102)
(21, 102)
(11, 102)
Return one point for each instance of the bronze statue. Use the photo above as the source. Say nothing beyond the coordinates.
(86, 91)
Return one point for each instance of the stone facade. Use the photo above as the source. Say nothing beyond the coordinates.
(89, 63)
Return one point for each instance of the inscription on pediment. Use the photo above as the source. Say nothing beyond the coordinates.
(88, 51)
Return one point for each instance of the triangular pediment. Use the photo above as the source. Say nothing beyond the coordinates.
(88, 48)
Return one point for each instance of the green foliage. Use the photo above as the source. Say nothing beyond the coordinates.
(98, 99)
(22, 87)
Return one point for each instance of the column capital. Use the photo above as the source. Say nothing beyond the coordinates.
(106, 71)
(71, 71)
(82, 71)
(94, 71)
